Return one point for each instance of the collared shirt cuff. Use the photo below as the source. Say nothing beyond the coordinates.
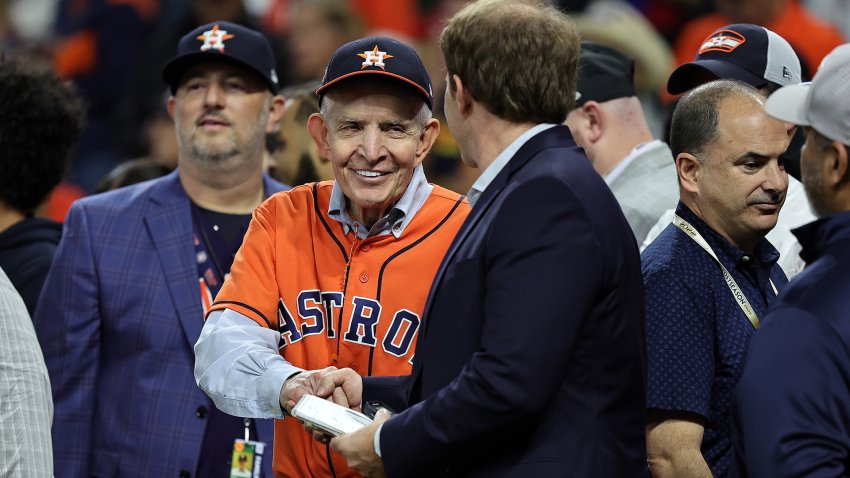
(272, 382)
(378, 440)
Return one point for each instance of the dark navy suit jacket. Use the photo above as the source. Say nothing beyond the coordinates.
(531, 360)
(117, 320)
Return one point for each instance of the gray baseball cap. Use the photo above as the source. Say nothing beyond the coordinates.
(823, 103)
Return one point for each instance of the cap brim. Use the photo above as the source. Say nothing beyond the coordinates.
(686, 77)
(788, 104)
(324, 88)
(174, 69)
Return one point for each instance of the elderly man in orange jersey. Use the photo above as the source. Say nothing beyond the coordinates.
(336, 273)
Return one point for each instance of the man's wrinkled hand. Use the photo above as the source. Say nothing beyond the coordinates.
(304, 383)
(358, 448)
(343, 387)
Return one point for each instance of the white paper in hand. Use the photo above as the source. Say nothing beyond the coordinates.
(327, 416)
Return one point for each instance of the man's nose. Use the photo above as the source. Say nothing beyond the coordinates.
(372, 148)
(214, 96)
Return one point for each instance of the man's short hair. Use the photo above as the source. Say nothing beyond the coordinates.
(517, 58)
(696, 116)
(41, 121)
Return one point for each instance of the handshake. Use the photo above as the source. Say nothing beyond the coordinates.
(343, 387)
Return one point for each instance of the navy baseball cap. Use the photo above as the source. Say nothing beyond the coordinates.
(383, 56)
(603, 74)
(223, 41)
(741, 51)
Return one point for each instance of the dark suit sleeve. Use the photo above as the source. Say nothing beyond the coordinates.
(542, 262)
(67, 322)
(391, 391)
(793, 402)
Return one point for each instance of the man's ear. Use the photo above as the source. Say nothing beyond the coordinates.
(319, 132)
(689, 170)
(836, 167)
(595, 120)
(169, 105)
(460, 95)
(275, 114)
(426, 139)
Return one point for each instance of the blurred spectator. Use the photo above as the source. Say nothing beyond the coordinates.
(41, 120)
(810, 37)
(26, 27)
(609, 123)
(835, 12)
(131, 172)
(296, 159)
(159, 137)
(617, 24)
(317, 29)
(59, 202)
(98, 43)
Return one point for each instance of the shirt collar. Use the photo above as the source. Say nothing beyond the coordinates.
(729, 254)
(396, 219)
(501, 160)
(635, 153)
(817, 236)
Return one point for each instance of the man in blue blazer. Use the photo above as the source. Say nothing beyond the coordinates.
(531, 360)
(136, 267)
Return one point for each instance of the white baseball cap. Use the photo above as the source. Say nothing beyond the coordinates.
(823, 103)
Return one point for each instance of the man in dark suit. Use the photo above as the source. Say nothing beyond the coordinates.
(530, 361)
(136, 267)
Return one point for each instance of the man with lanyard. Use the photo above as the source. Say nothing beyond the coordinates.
(336, 273)
(136, 267)
(710, 278)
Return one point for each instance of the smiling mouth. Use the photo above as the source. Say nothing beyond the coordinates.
(369, 174)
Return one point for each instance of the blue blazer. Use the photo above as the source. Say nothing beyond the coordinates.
(117, 320)
(531, 360)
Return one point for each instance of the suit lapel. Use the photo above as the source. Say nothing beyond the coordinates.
(557, 136)
(551, 137)
(169, 224)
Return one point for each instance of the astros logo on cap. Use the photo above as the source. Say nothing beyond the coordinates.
(214, 39)
(374, 58)
(723, 40)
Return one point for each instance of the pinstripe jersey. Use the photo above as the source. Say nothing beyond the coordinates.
(335, 299)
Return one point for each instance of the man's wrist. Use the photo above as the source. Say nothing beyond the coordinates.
(377, 440)
(282, 387)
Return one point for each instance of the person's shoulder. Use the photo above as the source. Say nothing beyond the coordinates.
(300, 200)
(667, 253)
(448, 197)
(124, 198)
(822, 289)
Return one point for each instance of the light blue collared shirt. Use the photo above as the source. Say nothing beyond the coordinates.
(396, 219)
(501, 160)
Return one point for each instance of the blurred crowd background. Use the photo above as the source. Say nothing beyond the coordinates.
(113, 50)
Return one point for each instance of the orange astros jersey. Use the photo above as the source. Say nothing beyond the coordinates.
(336, 300)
